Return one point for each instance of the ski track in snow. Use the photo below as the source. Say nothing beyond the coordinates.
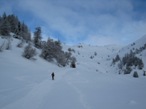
(81, 96)
(35, 97)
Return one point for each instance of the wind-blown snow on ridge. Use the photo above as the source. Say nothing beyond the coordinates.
(27, 84)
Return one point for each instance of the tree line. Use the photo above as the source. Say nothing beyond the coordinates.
(130, 59)
(51, 50)
(11, 24)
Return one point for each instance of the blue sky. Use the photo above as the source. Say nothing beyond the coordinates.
(95, 22)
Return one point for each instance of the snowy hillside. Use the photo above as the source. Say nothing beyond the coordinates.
(93, 84)
(135, 45)
(138, 50)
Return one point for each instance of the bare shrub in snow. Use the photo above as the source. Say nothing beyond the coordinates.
(71, 50)
(91, 57)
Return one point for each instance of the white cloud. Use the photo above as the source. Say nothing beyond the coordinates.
(100, 21)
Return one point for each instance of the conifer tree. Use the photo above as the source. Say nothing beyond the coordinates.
(37, 37)
(5, 26)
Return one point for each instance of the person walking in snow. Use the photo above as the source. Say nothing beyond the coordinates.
(53, 75)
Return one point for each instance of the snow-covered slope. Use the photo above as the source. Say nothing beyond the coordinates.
(138, 48)
(27, 84)
(135, 45)
(95, 58)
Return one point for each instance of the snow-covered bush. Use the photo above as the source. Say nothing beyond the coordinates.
(71, 50)
(52, 52)
(127, 70)
(29, 52)
(73, 62)
(144, 73)
(135, 75)
(91, 57)
(73, 65)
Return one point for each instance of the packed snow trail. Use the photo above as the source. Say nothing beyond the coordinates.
(80, 94)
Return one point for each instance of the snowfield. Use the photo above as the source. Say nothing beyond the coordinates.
(27, 84)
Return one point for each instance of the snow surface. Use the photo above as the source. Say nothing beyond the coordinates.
(27, 84)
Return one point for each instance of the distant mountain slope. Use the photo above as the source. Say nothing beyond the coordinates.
(135, 53)
(94, 58)
(99, 57)
(133, 46)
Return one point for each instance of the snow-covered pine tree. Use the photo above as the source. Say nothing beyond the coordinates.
(5, 26)
(37, 37)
